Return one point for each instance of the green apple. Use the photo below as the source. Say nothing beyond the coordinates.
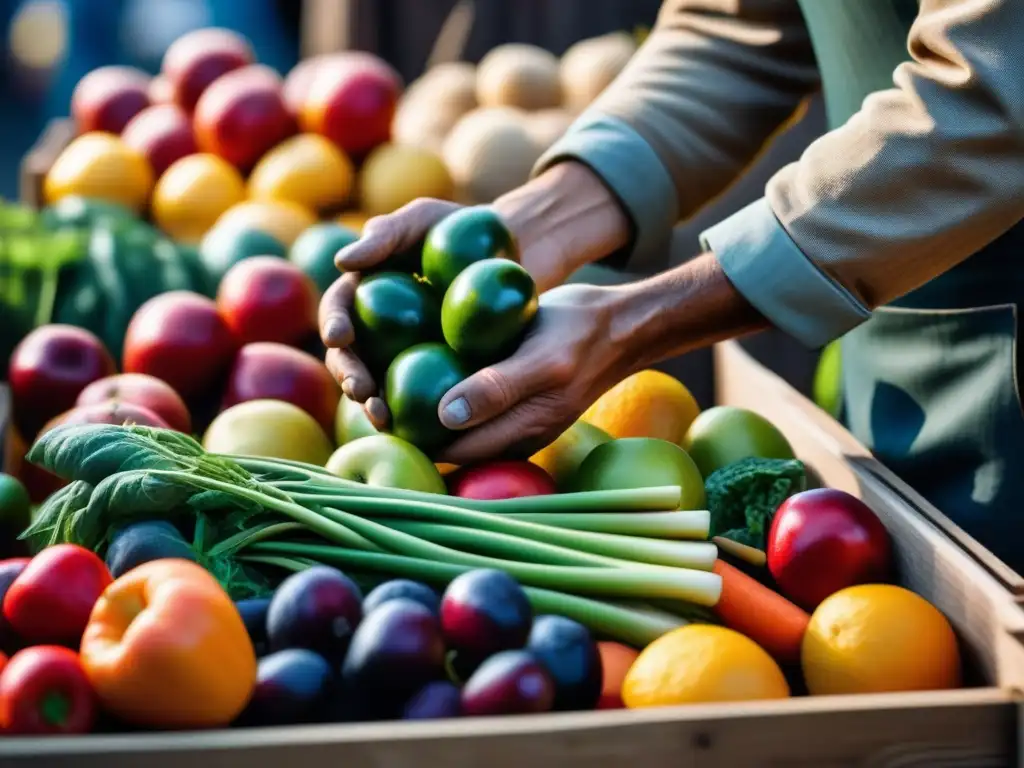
(386, 461)
(563, 457)
(725, 433)
(641, 462)
(351, 422)
(270, 428)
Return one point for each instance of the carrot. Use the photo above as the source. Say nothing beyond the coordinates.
(765, 616)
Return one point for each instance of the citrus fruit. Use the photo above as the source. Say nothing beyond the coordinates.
(282, 219)
(306, 169)
(616, 659)
(876, 638)
(193, 193)
(725, 434)
(394, 175)
(702, 663)
(646, 404)
(101, 166)
(354, 220)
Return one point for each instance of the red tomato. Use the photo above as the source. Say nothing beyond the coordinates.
(266, 298)
(44, 690)
(180, 338)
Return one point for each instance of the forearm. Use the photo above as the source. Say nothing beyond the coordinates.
(686, 308)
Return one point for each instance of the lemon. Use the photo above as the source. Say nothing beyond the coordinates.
(282, 219)
(193, 193)
(647, 404)
(394, 175)
(876, 638)
(307, 169)
(100, 166)
(702, 663)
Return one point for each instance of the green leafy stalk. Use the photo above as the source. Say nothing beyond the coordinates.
(688, 524)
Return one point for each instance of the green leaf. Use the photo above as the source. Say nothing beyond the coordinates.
(52, 516)
(744, 495)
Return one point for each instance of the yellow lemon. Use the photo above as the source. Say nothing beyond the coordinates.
(394, 175)
(101, 166)
(702, 663)
(281, 219)
(647, 404)
(307, 169)
(875, 638)
(193, 193)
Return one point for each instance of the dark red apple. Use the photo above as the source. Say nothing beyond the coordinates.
(196, 59)
(242, 116)
(47, 371)
(352, 102)
(180, 338)
(108, 97)
(298, 81)
(162, 134)
(271, 371)
(143, 390)
(40, 482)
(265, 298)
(500, 480)
(824, 540)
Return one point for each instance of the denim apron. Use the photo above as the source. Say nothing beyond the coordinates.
(930, 381)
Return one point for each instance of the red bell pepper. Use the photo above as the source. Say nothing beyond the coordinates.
(50, 601)
(9, 570)
(44, 690)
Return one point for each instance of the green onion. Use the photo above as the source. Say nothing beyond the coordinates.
(688, 524)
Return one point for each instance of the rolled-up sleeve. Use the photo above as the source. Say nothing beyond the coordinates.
(924, 175)
(714, 80)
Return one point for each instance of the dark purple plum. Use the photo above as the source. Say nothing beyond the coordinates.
(292, 686)
(509, 683)
(396, 588)
(434, 701)
(254, 615)
(144, 541)
(395, 652)
(9, 571)
(568, 651)
(318, 608)
(482, 612)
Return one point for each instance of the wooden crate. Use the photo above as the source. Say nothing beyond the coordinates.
(974, 727)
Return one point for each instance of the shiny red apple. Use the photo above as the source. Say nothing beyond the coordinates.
(271, 371)
(500, 480)
(242, 116)
(142, 390)
(196, 59)
(48, 370)
(265, 298)
(180, 338)
(824, 540)
(162, 134)
(108, 97)
(352, 102)
(300, 78)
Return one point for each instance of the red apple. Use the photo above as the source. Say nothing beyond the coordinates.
(243, 115)
(162, 134)
(196, 59)
(298, 81)
(500, 480)
(180, 338)
(352, 102)
(824, 540)
(40, 482)
(271, 371)
(108, 97)
(160, 91)
(265, 298)
(143, 390)
(47, 371)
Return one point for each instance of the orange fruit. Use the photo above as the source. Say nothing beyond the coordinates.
(646, 404)
(101, 166)
(616, 659)
(306, 169)
(702, 663)
(192, 194)
(876, 638)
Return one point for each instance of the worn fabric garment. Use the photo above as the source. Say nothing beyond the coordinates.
(924, 168)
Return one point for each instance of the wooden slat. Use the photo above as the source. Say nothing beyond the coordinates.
(37, 163)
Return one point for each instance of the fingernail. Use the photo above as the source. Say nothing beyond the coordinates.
(456, 412)
(346, 387)
(334, 329)
(343, 256)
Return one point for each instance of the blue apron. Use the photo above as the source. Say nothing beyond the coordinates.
(930, 381)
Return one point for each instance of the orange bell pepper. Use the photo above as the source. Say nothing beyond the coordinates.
(165, 647)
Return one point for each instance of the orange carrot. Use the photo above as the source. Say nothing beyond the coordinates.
(766, 617)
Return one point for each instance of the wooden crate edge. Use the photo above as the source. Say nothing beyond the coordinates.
(40, 158)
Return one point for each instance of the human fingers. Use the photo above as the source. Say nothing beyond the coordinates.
(384, 235)
(335, 324)
(518, 433)
(350, 372)
(377, 412)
